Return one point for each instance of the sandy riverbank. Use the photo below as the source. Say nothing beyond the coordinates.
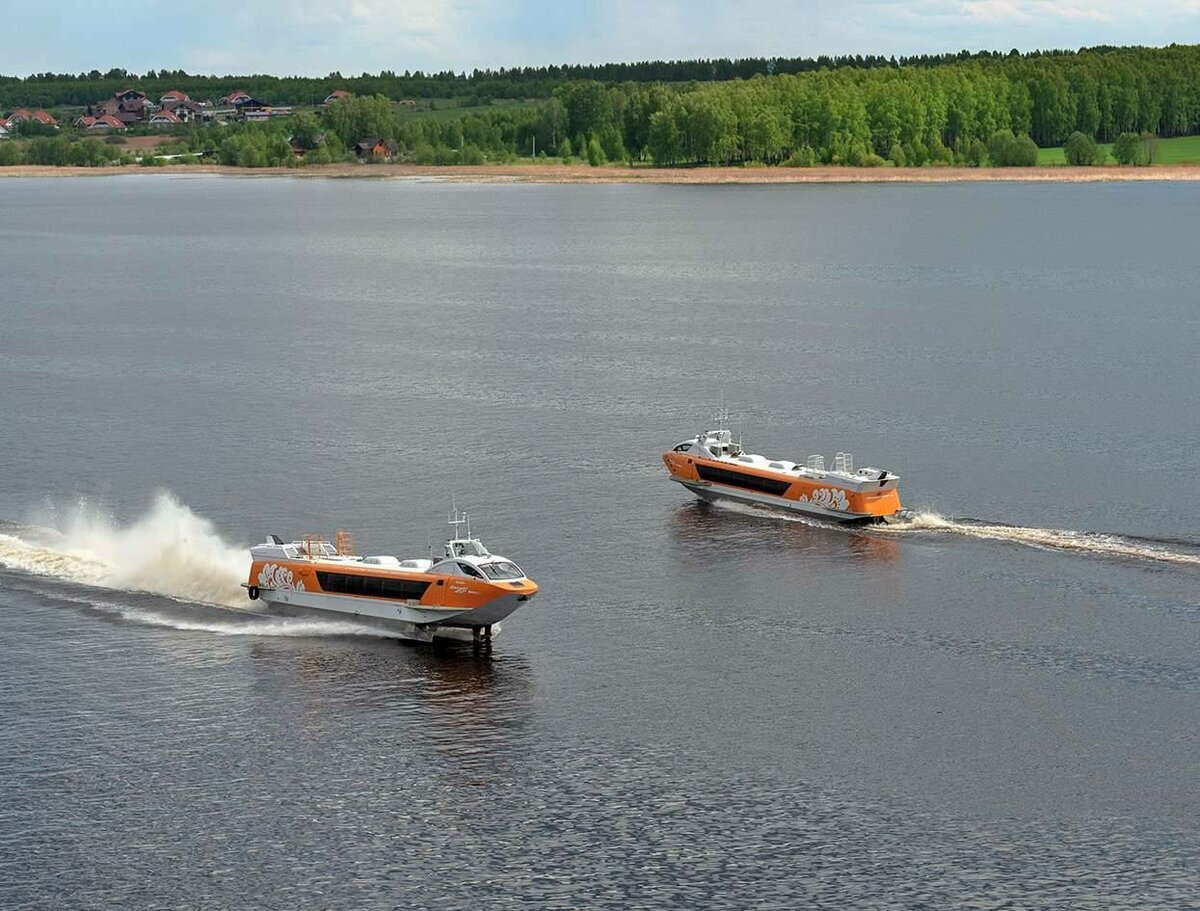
(559, 173)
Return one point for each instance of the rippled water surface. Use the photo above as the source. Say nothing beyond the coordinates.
(991, 705)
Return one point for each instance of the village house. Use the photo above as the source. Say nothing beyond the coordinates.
(243, 101)
(21, 115)
(165, 118)
(336, 95)
(102, 124)
(247, 107)
(301, 146)
(179, 104)
(129, 107)
(374, 149)
(4, 134)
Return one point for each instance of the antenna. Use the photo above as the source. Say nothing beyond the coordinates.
(721, 418)
(457, 519)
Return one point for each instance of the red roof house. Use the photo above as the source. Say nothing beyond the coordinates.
(374, 149)
(22, 114)
(105, 122)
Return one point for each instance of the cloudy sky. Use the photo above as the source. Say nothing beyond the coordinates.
(354, 36)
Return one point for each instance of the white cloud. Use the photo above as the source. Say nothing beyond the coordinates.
(317, 36)
(1034, 10)
(392, 16)
(996, 11)
(1041, 12)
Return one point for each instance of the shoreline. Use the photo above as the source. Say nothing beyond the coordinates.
(584, 174)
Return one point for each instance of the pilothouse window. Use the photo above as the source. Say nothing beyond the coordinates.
(502, 569)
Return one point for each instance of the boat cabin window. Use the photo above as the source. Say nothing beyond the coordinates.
(372, 586)
(502, 569)
(469, 549)
(470, 570)
(684, 447)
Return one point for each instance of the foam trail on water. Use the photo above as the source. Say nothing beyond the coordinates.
(253, 625)
(1081, 542)
(169, 551)
(1047, 538)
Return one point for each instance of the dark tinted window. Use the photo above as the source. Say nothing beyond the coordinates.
(375, 586)
(737, 479)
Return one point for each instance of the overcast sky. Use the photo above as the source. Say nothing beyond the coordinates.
(355, 36)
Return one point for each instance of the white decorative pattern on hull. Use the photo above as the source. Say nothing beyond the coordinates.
(827, 498)
(280, 578)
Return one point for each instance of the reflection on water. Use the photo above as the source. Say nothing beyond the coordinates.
(733, 528)
(473, 708)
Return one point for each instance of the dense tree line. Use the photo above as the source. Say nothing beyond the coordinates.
(53, 90)
(985, 109)
(60, 150)
(998, 110)
(69, 89)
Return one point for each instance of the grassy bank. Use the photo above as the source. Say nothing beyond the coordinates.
(528, 172)
(1183, 150)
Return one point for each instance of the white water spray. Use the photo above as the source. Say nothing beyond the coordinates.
(169, 551)
(1046, 538)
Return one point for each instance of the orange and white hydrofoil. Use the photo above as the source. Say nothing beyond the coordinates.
(714, 467)
(463, 594)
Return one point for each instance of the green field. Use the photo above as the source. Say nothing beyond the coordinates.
(1177, 150)
(446, 110)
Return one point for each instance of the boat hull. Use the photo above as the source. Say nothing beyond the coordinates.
(837, 496)
(712, 493)
(399, 621)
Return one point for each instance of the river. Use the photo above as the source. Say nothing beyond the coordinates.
(994, 702)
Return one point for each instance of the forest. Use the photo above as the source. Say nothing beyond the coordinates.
(968, 112)
(980, 109)
(48, 90)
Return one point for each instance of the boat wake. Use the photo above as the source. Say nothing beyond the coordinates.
(1082, 542)
(224, 621)
(169, 551)
(1123, 547)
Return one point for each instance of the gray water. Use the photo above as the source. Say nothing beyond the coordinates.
(994, 705)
